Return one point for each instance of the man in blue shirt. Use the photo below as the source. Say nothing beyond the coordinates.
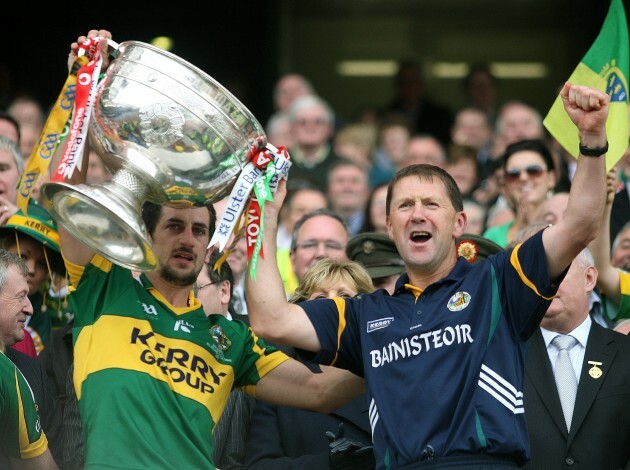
(443, 357)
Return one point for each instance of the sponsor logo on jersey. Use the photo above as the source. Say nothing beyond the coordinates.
(177, 363)
(223, 342)
(419, 343)
(459, 301)
(379, 324)
(149, 309)
(183, 326)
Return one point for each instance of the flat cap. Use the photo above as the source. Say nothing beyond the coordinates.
(377, 253)
(476, 248)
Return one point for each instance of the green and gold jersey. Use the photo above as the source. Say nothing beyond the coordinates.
(21, 435)
(153, 379)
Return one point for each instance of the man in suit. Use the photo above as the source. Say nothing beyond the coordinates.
(596, 434)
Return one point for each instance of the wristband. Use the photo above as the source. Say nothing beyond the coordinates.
(594, 151)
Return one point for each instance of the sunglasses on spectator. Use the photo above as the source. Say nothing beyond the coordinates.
(533, 171)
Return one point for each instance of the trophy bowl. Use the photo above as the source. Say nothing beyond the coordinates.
(169, 133)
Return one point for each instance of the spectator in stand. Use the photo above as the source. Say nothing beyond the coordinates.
(613, 278)
(424, 148)
(288, 88)
(279, 130)
(620, 211)
(516, 121)
(317, 235)
(375, 217)
(11, 167)
(481, 90)
(33, 237)
(9, 127)
(471, 128)
(530, 179)
(411, 100)
(348, 193)
(356, 142)
(312, 122)
(553, 208)
(28, 111)
(566, 424)
(462, 165)
(476, 213)
(15, 441)
(377, 253)
(301, 199)
(394, 132)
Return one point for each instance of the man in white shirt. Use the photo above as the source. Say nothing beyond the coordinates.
(596, 433)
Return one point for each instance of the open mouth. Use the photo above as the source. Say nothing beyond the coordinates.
(419, 236)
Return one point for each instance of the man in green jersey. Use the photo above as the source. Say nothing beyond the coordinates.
(21, 435)
(152, 371)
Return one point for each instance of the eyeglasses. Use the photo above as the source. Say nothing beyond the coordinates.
(329, 245)
(206, 285)
(317, 121)
(533, 171)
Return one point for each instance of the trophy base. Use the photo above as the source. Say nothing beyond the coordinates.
(103, 221)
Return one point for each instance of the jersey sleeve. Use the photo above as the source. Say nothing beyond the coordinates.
(90, 284)
(335, 321)
(257, 360)
(21, 434)
(525, 289)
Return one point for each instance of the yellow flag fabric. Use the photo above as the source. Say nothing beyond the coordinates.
(605, 66)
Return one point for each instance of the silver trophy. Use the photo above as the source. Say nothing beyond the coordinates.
(168, 132)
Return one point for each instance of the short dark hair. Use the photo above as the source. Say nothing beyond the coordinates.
(534, 145)
(4, 116)
(151, 213)
(427, 172)
(223, 273)
(310, 215)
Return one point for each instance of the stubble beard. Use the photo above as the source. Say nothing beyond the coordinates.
(179, 279)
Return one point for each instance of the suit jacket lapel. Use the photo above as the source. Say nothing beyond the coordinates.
(541, 375)
(599, 348)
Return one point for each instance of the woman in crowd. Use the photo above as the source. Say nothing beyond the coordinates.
(529, 180)
(290, 438)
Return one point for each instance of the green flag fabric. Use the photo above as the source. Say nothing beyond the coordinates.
(605, 66)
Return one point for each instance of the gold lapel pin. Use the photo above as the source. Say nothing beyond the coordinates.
(595, 371)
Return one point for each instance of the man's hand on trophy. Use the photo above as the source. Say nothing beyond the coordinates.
(93, 33)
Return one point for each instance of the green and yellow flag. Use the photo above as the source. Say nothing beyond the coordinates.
(605, 66)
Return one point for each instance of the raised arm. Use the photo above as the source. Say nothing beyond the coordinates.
(270, 315)
(608, 275)
(588, 109)
(74, 250)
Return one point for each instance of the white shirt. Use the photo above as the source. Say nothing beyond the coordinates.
(576, 353)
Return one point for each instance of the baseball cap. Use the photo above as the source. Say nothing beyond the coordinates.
(476, 248)
(377, 253)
